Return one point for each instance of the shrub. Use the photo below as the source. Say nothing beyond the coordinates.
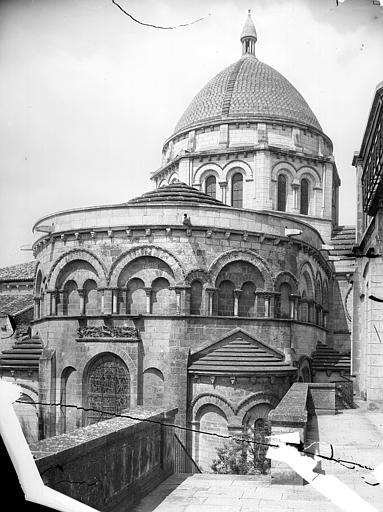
(244, 456)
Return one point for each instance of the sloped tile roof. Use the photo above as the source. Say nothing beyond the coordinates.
(179, 192)
(24, 354)
(13, 304)
(248, 90)
(21, 272)
(343, 240)
(326, 358)
(238, 354)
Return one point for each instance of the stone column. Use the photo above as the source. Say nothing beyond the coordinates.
(115, 301)
(60, 300)
(223, 185)
(52, 302)
(210, 292)
(310, 311)
(267, 305)
(295, 299)
(255, 304)
(277, 305)
(148, 291)
(82, 301)
(237, 293)
(183, 306)
(102, 300)
(320, 315)
(178, 300)
(295, 185)
(325, 319)
(292, 307)
(272, 306)
(317, 210)
(301, 309)
(204, 301)
(49, 294)
(36, 300)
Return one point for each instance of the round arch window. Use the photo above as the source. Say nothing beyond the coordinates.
(304, 197)
(237, 190)
(281, 193)
(107, 388)
(211, 186)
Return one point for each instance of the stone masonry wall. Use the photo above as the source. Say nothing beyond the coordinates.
(110, 465)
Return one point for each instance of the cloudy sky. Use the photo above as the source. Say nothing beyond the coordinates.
(87, 96)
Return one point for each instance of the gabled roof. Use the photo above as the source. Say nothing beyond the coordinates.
(24, 354)
(21, 272)
(238, 353)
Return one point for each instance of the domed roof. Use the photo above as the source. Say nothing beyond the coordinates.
(248, 90)
(179, 192)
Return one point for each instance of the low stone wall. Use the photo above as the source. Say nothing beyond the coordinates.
(112, 464)
(292, 414)
(322, 398)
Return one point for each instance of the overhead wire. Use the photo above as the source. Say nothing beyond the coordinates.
(349, 464)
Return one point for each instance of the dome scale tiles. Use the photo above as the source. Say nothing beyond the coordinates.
(248, 90)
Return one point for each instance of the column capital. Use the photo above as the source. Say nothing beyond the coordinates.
(180, 287)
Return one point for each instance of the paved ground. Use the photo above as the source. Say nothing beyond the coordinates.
(355, 435)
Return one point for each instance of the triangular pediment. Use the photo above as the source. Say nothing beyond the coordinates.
(237, 352)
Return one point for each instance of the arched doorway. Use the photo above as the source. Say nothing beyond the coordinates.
(107, 388)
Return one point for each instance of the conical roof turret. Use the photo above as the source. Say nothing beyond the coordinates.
(248, 36)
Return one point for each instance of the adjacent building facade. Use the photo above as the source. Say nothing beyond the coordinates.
(367, 346)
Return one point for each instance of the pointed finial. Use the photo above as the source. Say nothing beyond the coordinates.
(248, 36)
